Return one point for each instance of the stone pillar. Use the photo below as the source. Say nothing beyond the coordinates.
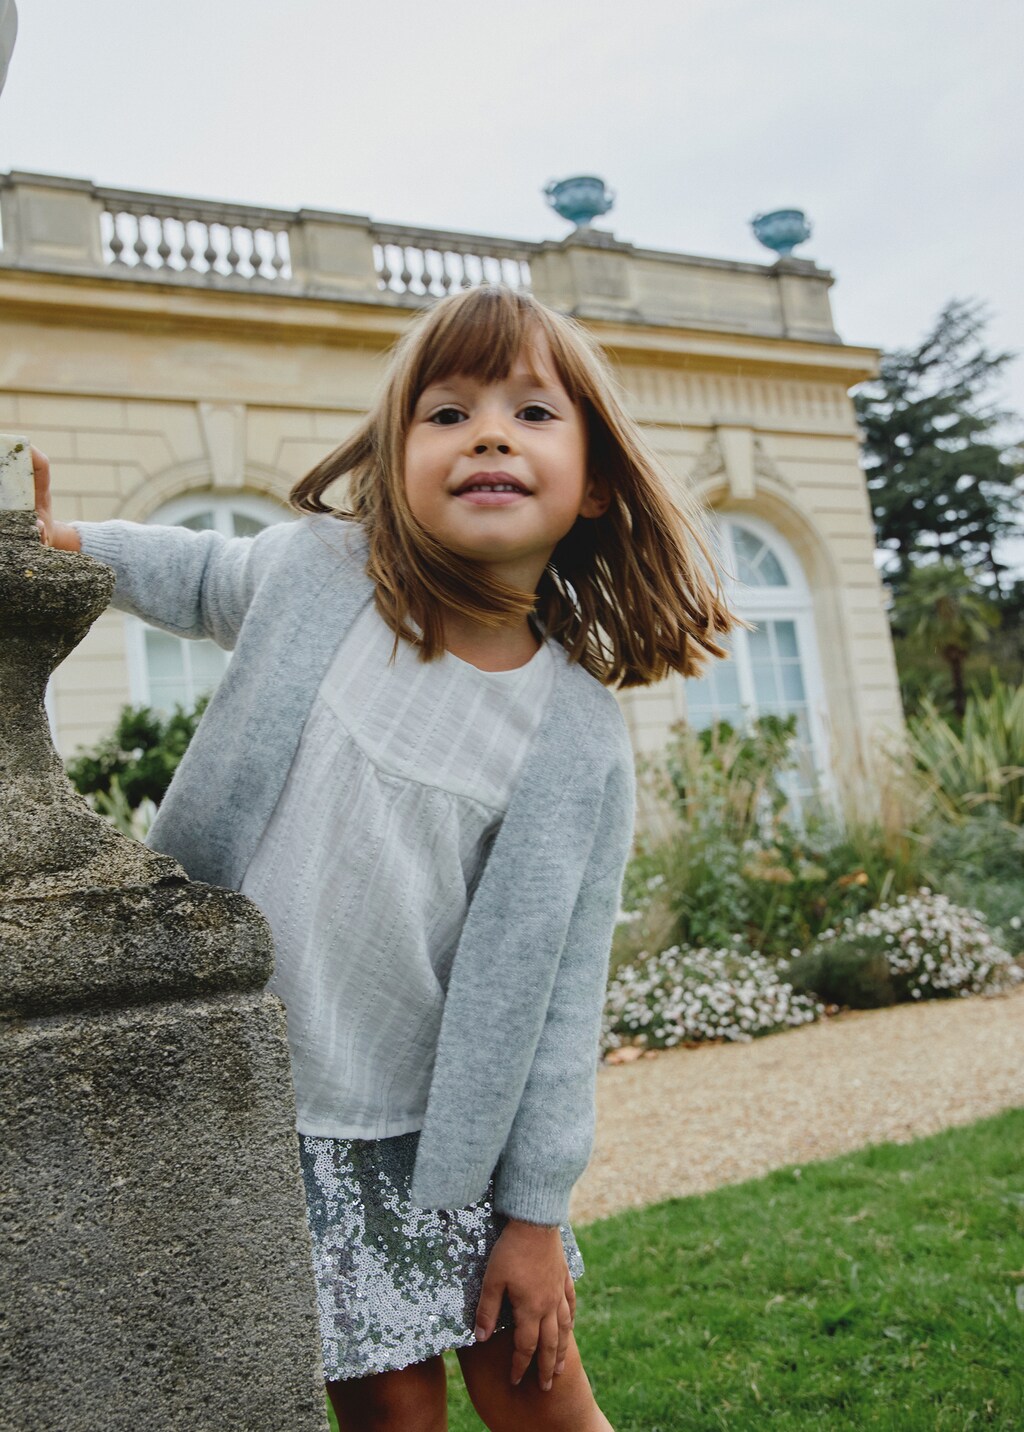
(156, 1268)
(804, 300)
(51, 223)
(589, 273)
(332, 256)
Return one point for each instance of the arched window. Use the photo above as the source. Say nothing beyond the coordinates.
(773, 669)
(164, 670)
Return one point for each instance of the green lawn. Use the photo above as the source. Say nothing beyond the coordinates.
(878, 1290)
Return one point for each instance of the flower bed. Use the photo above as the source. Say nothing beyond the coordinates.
(921, 947)
(685, 996)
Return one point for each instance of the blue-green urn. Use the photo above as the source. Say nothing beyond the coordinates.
(781, 230)
(580, 198)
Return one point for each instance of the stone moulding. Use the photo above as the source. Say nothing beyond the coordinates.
(155, 1259)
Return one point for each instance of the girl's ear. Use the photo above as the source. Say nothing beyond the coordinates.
(597, 498)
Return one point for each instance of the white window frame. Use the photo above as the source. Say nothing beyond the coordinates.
(174, 513)
(793, 602)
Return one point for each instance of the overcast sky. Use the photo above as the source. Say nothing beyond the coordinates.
(896, 124)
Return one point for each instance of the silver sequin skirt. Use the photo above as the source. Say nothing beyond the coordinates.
(395, 1283)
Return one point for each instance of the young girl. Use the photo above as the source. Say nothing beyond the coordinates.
(413, 765)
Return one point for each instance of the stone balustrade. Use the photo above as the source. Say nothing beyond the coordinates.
(194, 237)
(53, 224)
(431, 263)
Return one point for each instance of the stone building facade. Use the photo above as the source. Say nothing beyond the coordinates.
(186, 361)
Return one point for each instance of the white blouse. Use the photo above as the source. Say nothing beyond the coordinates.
(366, 868)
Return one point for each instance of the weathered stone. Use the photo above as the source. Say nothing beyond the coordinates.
(210, 940)
(156, 1268)
(156, 1263)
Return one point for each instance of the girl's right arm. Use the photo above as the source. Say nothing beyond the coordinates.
(192, 584)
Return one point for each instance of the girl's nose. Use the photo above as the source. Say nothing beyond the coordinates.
(484, 446)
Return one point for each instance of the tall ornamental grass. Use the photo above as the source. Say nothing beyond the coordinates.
(981, 766)
(723, 855)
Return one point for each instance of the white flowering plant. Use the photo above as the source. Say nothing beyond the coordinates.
(923, 945)
(686, 996)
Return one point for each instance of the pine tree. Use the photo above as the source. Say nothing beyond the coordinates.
(941, 483)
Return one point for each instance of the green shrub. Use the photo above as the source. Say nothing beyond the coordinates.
(931, 947)
(980, 862)
(135, 763)
(853, 973)
(734, 861)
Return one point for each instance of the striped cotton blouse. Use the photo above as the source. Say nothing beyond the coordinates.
(365, 870)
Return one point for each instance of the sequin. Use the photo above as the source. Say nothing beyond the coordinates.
(395, 1283)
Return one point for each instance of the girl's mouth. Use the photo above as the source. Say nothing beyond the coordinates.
(492, 489)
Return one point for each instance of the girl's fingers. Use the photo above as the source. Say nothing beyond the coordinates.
(570, 1296)
(488, 1308)
(547, 1350)
(41, 472)
(564, 1333)
(41, 478)
(525, 1339)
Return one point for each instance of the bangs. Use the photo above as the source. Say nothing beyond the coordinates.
(481, 336)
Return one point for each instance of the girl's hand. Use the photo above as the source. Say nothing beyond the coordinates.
(528, 1262)
(51, 533)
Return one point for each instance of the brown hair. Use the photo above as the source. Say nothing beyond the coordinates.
(623, 593)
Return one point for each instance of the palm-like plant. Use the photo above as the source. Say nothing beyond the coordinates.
(942, 606)
(983, 766)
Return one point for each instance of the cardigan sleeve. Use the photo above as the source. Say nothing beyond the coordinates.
(192, 584)
(552, 1134)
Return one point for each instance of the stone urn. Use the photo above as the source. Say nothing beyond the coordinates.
(580, 199)
(781, 230)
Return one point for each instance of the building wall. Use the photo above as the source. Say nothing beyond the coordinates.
(126, 457)
(141, 392)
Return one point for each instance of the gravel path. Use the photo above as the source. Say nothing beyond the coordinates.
(688, 1120)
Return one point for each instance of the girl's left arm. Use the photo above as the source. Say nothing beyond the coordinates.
(553, 1131)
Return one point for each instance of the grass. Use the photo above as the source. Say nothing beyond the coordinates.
(880, 1290)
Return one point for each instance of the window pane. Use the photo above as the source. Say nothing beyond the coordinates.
(785, 638)
(760, 642)
(246, 526)
(765, 686)
(165, 660)
(199, 522)
(208, 666)
(770, 569)
(756, 564)
(179, 671)
(792, 682)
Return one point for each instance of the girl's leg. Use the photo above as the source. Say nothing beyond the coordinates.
(412, 1399)
(568, 1407)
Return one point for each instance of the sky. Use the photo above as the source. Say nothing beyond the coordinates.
(895, 124)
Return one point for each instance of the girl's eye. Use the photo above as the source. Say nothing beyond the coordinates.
(444, 417)
(533, 412)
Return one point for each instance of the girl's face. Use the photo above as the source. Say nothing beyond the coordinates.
(497, 472)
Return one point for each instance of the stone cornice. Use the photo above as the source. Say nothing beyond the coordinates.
(242, 314)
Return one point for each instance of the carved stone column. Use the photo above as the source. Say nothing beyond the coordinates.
(156, 1269)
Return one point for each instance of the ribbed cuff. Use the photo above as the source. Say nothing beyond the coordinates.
(530, 1198)
(99, 539)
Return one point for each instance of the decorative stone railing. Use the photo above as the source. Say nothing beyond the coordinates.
(57, 225)
(430, 262)
(194, 237)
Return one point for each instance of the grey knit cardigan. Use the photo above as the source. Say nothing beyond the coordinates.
(512, 1090)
